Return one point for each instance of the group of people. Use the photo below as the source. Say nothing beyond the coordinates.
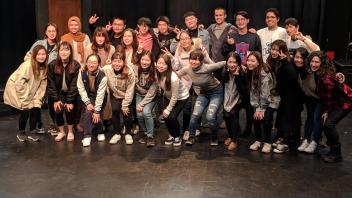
(126, 77)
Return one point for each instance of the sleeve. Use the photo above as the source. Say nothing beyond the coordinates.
(264, 93)
(182, 72)
(52, 90)
(227, 48)
(21, 82)
(207, 58)
(39, 94)
(100, 95)
(174, 95)
(29, 53)
(72, 91)
(215, 66)
(176, 62)
(131, 83)
(153, 89)
(91, 27)
(257, 44)
(82, 90)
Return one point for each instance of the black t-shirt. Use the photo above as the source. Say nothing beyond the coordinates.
(193, 33)
(165, 40)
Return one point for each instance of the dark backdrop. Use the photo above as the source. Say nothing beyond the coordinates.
(318, 18)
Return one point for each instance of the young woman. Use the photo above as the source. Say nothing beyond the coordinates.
(121, 83)
(336, 98)
(146, 90)
(76, 38)
(264, 100)
(130, 46)
(175, 97)
(289, 111)
(91, 84)
(25, 90)
(146, 37)
(210, 93)
(234, 89)
(62, 89)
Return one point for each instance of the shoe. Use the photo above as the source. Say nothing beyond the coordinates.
(222, 125)
(228, 141)
(214, 142)
(303, 146)
(170, 140)
(141, 138)
(177, 142)
(40, 130)
(232, 146)
(197, 132)
(21, 136)
(53, 130)
(281, 148)
(115, 138)
(278, 141)
(32, 136)
(128, 139)
(135, 130)
(70, 137)
(332, 158)
(190, 141)
(150, 142)
(311, 147)
(86, 141)
(266, 148)
(60, 136)
(255, 146)
(101, 137)
(185, 135)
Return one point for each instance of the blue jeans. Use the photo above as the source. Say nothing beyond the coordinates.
(212, 98)
(145, 118)
(314, 123)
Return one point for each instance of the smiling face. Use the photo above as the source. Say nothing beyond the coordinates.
(163, 27)
(291, 30)
(117, 64)
(73, 27)
(118, 26)
(241, 22)
(64, 53)
(100, 39)
(252, 62)
(51, 32)
(298, 60)
(275, 51)
(143, 28)
(191, 22)
(161, 66)
(127, 38)
(271, 20)
(92, 64)
(145, 61)
(232, 64)
(41, 56)
(220, 16)
(185, 40)
(195, 63)
(315, 64)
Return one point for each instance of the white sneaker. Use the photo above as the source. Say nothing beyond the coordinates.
(278, 141)
(197, 132)
(185, 135)
(255, 146)
(177, 141)
(135, 130)
(311, 147)
(115, 138)
(281, 148)
(128, 139)
(86, 141)
(101, 137)
(303, 146)
(266, 148)
(170, 140)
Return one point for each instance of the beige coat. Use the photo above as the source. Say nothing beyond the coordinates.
(23, 90)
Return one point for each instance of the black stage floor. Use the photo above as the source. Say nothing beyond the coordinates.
(49, 169)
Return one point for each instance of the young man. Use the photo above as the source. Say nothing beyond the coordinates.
(296, 38)
(272, 32)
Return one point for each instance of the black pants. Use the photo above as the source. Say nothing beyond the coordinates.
(334, 117)
(171, 121)
(59, 117)
(51, 109)
(264, 125)
(249, 114)
(188, 110)
(232, 121)
(34, 118)
(116, 112)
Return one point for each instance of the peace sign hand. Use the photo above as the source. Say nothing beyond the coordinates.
(93, 19)
(108, 26)
(230, 41)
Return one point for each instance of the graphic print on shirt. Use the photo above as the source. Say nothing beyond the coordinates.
(242, 49)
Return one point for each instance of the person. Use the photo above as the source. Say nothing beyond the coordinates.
(175, 95)
(62, 89)
(272, 32)
(146, 90)
(336, 97)
(25, 90)
(263, 98)
(91, 84)
(129, 46)
(234, 89)
(296, 39)
(146, 37)
(121, 83)
(210, 93)
(76, 38)
(166, 35)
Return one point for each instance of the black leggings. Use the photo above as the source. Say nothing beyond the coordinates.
(171, 121)
(116, 113)
(232, 121)
(34, 118)
(265, 125)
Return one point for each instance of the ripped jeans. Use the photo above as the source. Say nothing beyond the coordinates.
(212, 98)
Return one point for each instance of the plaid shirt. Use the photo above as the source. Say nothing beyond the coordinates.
(333, 94)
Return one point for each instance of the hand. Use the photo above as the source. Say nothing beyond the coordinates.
(167, 52)
(176, 30)
(237, 71)
(58, 105)
(90, 107)
(252, 30)
(93, 19)
(258, 115)
(68, 107)
(165, 115)
(140, 48)
(230, 41)
(204, 51)
(95, 118)
(244, 68)
(282, 55)
(139, 108)
(324, 117)
(201, 26)
(299, 36)
(340, 77)
(108, 26)
(108, 61)
(125, 112)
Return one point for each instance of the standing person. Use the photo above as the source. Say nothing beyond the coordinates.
(146, 90)
(263, 99)
(210, 93)
(296, 39)
(121, 84)
(272, 32)
(336, 98)
(76, 38)
(175, 97)
(25, 90)
(129, 46)
(50, 43)
(234, 89)
(91, 84)
(62, 89)
(166, 35)
(146, 37)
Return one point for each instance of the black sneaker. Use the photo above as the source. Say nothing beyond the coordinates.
(40, 130)
(150, 142)
(190, 141)
(214, 142)
(332, 158)
(32, 136)
(21, 136)
(140, 137)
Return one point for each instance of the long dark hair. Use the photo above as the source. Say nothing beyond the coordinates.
(326, 66)
(59, 67)
(237, 57)
(100, 31)
(303, 71)
(57, 31)
(151, 69)
(276, 63)
(168, 72)
(121, 56)
(36, 66)
(134, 44)
(254, 76)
